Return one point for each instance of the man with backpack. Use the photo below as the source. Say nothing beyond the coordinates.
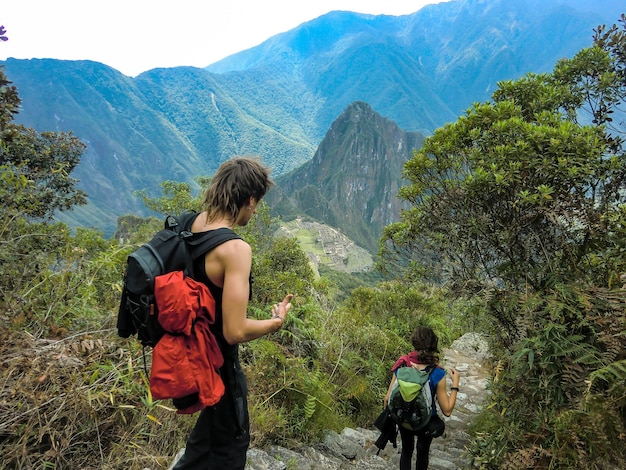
(221, 437)
(418, 382)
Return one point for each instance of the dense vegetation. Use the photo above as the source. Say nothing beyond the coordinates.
(517, 208)
(520, 203)
(74, 395)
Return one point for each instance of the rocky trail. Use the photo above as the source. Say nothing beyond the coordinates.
(355, 449)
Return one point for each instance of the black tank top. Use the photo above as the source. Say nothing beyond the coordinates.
(230, 351)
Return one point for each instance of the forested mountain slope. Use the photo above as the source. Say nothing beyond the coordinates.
(279, 99)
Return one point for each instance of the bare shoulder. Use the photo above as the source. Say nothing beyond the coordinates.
(235, 250)
(233, 256)
(236, 244)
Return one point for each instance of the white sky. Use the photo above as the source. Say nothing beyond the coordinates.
(133, 36)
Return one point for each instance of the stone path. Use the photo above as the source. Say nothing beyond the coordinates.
(467, 355)
(448, 452)
(355, 449)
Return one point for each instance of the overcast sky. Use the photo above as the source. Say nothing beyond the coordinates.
(133, 36)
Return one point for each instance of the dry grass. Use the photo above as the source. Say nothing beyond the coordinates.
(81, 403)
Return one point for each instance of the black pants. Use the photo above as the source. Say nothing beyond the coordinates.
(434, 428)
(221, 436)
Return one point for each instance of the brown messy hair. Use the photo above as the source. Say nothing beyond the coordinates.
(232, 186)
(426, 343)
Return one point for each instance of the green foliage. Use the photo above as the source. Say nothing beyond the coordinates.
(402, 305)
(46, 161)
(510, 192)
(34, 167)
(517, 191)
(282, 269)
(24, 249)
(304, 404)
(558, 396)
(135, 230)
(67, 287)
(9, 106)
(176, 198)
(520, 203)
(344, 283)
(597, 80)
(613, 374)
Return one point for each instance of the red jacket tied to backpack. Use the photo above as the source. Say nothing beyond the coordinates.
(186, 359)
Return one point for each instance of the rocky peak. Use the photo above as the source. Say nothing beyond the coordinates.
(353, 180)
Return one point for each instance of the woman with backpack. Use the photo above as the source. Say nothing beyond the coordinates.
(425, 357)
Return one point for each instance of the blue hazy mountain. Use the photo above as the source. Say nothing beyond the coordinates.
(278, 100)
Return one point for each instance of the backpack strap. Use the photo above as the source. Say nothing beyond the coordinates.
(201, 243)
(197, 244)
(436, 374)
(185, 220)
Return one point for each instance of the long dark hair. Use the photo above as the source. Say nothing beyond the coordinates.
(426, 343)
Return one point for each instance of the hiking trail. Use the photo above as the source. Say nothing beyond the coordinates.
(354, 448)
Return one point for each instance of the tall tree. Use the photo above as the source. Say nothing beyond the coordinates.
(35, 167)
(35, 182)
(521, 190)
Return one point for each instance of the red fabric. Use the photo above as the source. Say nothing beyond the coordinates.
(187, 361)
(405, 361)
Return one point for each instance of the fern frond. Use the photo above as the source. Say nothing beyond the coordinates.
(611, 374)
(615, 371)
(309, 406)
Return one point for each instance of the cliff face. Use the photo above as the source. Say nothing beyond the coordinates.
(353, 180)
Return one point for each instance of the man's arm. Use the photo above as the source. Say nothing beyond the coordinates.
(236, 258)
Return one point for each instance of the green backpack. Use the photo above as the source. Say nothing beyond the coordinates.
(411, 400)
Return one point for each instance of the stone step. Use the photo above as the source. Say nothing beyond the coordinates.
(354, 449)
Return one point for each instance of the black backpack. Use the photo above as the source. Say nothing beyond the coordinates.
(174, 248)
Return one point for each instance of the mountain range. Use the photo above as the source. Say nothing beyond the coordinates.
(335, 106)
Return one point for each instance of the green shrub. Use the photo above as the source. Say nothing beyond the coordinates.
(558, 399)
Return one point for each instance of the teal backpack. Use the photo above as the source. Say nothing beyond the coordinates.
(411, 401)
